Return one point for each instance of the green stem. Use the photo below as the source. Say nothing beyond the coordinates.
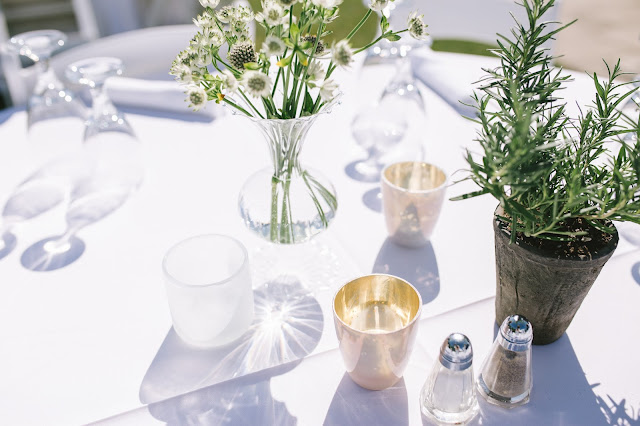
(360, 24)
(273, 229)
(236, 106)
(376, 41)
(250, 103)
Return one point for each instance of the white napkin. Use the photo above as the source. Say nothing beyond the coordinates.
(155, 95)
(451, 76)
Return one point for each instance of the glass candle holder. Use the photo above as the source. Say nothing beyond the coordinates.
(506, 377)
(209, 290)
(412, 197)
(448, 395)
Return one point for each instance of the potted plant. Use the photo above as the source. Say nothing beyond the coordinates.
(281, 86)
(559, 181)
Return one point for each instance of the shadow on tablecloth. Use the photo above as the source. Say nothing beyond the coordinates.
(353, 405)
(561, 393)
(418, 266)
(185, 381)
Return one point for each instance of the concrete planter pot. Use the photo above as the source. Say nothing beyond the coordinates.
(546, 290)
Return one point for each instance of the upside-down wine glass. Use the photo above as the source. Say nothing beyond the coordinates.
(111, 151)
(50, 98)
(377, 129)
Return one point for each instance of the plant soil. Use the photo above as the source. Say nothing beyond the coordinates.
(584, 247)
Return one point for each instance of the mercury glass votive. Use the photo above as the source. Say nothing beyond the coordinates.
(376, 320)
(412, 197)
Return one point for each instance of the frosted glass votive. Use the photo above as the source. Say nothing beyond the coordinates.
(209, 290)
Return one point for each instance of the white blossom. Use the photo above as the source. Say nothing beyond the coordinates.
(327, 89)
(229, 81)
(212, 38)
(204, 20)
(273, 46)
(315, 71)
(226, 14)
(342, 54)
(417, 27)
(182, 73)
(327, 4)
(272, 13)
(257, 84)
(210, 3)
(196, 96)
(378, 5)
(243, 13)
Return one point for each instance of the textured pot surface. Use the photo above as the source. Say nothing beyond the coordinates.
(546, 290)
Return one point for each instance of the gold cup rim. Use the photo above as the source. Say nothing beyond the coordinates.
(415, 318)
(414, 191)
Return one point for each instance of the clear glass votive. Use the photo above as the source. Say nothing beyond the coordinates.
(412, 197)
(209, 290)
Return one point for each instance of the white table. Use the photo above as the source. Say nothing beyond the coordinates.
(94, 341)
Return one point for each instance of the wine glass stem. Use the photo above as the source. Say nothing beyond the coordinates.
(101, 103)
(47, 79)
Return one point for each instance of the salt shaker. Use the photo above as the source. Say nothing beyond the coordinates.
(505, 378)
(448, 395)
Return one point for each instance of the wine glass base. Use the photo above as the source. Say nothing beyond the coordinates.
(362, 171)
(45, 255)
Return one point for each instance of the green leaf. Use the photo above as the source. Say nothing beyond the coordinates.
(392, 37)
(384, 24)
(252, 66)
(294, 31)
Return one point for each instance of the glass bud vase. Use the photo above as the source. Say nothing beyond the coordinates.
(287, 203)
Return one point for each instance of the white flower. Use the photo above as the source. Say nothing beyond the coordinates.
(229, 81)
(196, 96)
(257, 84)
(210, 3)
(204, 58)
(182, 73)
(211, 37)
(327, 4)
(417, 28)
(272, 13)
(204, 21)
(327, 89)
(342, 54)
(226, 14)
(243, 13)
(273, 46)
(378, 5)
(315, 71)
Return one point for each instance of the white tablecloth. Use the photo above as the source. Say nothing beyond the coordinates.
(94, 341)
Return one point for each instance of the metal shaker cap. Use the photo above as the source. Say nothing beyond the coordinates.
(456, 352)
(517, 333)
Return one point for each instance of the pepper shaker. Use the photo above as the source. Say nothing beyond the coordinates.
(505, 378)
(448, 394)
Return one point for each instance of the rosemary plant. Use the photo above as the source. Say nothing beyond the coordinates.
(555, 177)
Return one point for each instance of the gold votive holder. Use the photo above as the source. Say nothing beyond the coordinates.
(376, 320)
(412, 197)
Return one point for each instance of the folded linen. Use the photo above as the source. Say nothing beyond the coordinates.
(155, 95)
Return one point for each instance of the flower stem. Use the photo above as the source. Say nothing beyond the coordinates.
(236, 106)
(360, 24)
